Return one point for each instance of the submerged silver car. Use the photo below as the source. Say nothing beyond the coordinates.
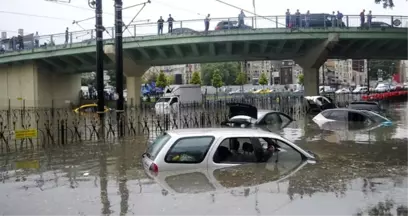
(188, 149)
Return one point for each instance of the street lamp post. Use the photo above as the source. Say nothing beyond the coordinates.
(97, 5)
(119, 65)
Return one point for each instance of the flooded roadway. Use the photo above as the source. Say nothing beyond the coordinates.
(360, 173)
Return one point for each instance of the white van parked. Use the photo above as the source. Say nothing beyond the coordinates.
(175, 95)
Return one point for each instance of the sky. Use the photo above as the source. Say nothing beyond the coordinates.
(56, 16)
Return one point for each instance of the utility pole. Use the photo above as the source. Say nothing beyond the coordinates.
(97, 4)
(119, 65)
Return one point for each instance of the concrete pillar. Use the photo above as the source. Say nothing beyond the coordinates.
(133, 85)
(311, 62)
(311, 81)
(133, 73)
(30, 85)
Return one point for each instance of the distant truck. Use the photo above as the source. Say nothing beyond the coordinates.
(174, 95)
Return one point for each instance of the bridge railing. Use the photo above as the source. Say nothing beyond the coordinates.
(197, 27)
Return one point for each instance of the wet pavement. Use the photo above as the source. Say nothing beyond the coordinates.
(361, 172)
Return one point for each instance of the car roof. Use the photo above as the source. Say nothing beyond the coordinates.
(344, 109)
(221, 132)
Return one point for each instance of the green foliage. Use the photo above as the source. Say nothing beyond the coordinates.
(150, 77)
(386, 3)
(112, 78)
(196, 79)
(227, 70)
(263, 80)
(241, 78)
(216, 80)
(388, 68)
(161, 80)
(301, 78)
(170, 79)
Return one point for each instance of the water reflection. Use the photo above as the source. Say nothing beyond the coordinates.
(107, 178)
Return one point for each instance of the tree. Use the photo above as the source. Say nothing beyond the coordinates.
(112, 78)
(228, 72)
(241, 78)
(150, 77)
(170, 79)
(196, 79)
(161, 80)
(263, 80)
(386, 3)
(301, 78)
(216, 80)
(384, 68)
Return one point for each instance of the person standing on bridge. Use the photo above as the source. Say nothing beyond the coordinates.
(66, 36)
(37, 40)
(362, 18)
(339, 19)
(297, 18)
(160, 23)
(287, 18)
(307, 19)
(170, 20)
(241, 18)
(369, 18)
(207, 23)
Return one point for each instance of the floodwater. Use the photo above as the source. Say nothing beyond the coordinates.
(362, 172)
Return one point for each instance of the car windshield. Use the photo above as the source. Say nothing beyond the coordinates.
(157, 145)
(374, 116)
(163, 100)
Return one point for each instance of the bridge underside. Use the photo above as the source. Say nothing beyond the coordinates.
(234, 51)
(309, 48)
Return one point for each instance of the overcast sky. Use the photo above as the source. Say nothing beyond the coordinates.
(62, 15)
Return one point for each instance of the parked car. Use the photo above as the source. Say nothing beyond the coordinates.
(318, 20)
(225, 25)
(245, 115)
(183, 31)
(342, 91)
(204, 148)
(319, 103)
(377, 25)
(365, 105)
(350, 118)
(383, 87)
(360, 89)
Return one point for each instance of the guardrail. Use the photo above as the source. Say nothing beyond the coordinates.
(197, 27)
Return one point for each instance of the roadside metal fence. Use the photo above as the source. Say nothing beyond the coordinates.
(25, 128)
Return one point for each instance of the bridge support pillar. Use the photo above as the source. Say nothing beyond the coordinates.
(313, 60)
(31, 85)
(133, 73)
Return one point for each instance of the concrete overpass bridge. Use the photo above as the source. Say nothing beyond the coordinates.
(52, 72)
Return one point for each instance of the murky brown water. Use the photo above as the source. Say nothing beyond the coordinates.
(360, 173)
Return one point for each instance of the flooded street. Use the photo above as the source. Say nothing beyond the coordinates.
(360, 172)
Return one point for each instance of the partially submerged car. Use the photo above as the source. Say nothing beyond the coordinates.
(245, 115)
(366, 105)
(350, 118)
(319, 103)
(235, 177)
(203, 148)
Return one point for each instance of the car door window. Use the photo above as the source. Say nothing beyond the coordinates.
(272, 118)
(338, 115)
(285, 154)
(173, 101)
(237, 150)
(356, 117)
(189, 150)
